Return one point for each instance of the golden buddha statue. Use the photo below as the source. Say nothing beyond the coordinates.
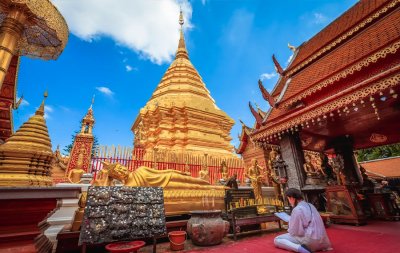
(182, 193)
(204, 173)
(75, 175)
(148, 177)
(103, 179)
(308, 166)
(224, 171)
(256, 178)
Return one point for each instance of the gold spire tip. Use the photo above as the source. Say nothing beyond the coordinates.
(181, 20)
(45, 94)
(91, 105)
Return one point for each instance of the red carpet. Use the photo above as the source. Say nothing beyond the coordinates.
(378, 237)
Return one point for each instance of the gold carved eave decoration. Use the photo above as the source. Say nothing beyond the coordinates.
(392, 49)
(320, 109)
(351, 32)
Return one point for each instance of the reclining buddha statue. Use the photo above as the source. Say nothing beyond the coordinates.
(182, 192)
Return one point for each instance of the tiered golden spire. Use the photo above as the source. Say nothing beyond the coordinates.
(25, 158)
(184, 111)
(181, 52)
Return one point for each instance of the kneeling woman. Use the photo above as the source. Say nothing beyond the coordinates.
(306, 228)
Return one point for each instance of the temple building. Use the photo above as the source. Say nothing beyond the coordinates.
(181, 116)
(338, 94)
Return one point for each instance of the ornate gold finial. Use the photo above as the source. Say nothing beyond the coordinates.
(181, 52)
(40, 111)
(181, 20)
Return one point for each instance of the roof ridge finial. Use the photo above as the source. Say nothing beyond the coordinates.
(40, 111)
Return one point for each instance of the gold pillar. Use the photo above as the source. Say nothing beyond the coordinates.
(10, 32)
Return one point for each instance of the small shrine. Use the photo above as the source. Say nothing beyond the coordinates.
(81, 152)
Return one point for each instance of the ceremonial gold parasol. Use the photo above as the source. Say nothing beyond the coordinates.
(30, 27)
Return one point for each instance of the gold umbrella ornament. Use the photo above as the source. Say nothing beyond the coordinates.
(30, 27)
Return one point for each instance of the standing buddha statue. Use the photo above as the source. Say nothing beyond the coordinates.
(255, 176)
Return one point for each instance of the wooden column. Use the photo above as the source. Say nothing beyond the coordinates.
(292, 154)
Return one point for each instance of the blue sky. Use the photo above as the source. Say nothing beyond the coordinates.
(119, 54)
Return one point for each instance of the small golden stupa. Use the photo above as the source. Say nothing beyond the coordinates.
(25, 158)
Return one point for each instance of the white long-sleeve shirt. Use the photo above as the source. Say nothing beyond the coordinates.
(306, 225)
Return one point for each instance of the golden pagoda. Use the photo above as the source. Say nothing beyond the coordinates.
(25, 158)
(181, 116)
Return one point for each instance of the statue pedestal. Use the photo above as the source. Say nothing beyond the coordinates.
(315, 180)
(65, 213)
(22, 212)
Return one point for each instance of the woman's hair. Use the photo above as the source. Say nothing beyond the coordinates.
(294, 193)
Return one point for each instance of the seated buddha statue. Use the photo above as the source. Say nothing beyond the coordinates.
(204, 173)
(75, 175)
(148, 177)
(224, 171)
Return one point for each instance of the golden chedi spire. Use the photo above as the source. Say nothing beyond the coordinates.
(25, 158)
(184, 112)
(181, 52)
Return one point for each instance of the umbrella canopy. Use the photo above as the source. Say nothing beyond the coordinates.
(44, 33)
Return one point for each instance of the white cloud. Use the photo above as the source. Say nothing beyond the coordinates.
(48, 109)
(129, 68)
(105, 90)
(319, 18)
(203, 2)
(267, 76)
(64, 108)
(149, 28)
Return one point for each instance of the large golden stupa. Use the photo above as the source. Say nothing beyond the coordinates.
(181, 116)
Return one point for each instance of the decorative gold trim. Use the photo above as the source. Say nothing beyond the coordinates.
(335, 105)
(345, 36)
(348, 71)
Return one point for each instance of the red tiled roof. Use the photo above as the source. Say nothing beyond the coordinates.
(346, 21)
(370, 40)
(388, 167)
